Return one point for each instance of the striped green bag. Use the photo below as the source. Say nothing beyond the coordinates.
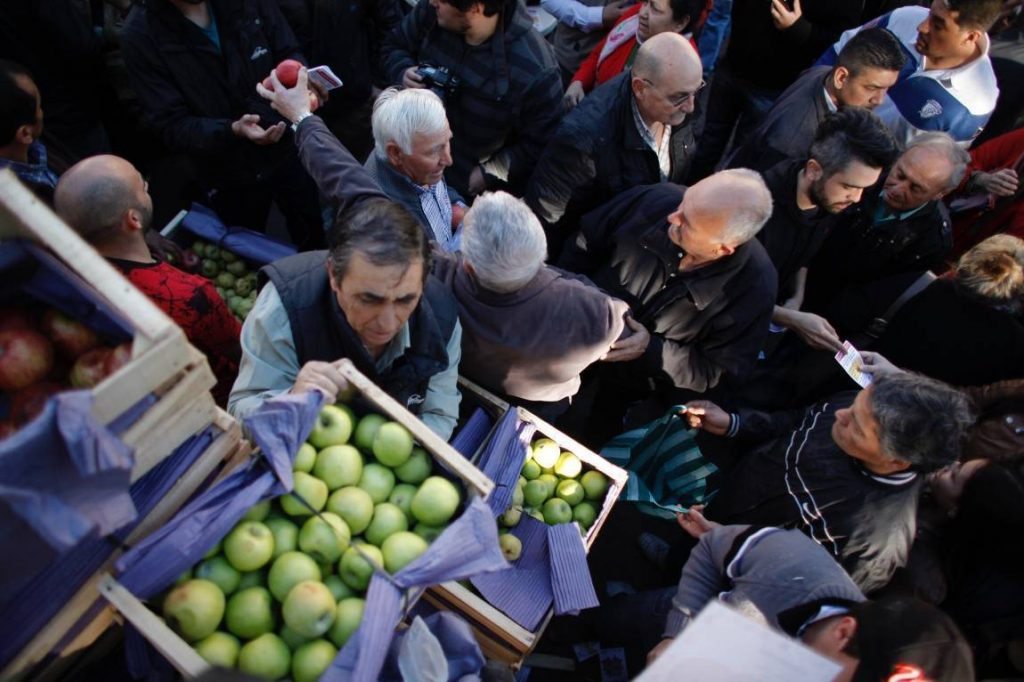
(667, 472)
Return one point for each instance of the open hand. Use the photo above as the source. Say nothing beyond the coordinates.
(782, 16)
(705, 415)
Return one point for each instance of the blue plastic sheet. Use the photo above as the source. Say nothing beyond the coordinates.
(472, 434)
(207, 225)
(503, 459)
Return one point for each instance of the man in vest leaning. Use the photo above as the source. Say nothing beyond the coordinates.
(369, 297)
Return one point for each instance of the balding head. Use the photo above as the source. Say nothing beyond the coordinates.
(666, 78)
(98, 195)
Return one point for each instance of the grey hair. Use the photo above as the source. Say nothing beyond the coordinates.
(749, 215)
(920, 420)
(399, 114)
(956, 155)
(503, 241)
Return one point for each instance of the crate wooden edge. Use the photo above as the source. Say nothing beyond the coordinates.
(456, 463)
(22, 214)
(228, 448)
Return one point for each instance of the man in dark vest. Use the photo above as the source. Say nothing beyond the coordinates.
(369, 297)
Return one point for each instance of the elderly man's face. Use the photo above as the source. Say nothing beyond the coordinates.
(670, 96)
(431, 155)
(696, 227)
(377, 300)
(855, 431)
(920, 175)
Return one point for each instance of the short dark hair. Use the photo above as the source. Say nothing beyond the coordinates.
(491, 7)
(852, 134)
(17, 107)
(872, 48)
(383, 231)
(685, 8)
(920, 420)
(976, 14)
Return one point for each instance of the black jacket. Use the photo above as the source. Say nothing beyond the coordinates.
(190, 94)
(597, 154)
(509, 98)
(706, 324)
(794, 476)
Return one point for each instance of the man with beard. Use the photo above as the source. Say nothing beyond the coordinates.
(106, 200)
(849, 152)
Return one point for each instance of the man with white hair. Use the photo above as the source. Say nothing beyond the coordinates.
(697, 280)
(503, 289)
(412, 150)
(636, 129)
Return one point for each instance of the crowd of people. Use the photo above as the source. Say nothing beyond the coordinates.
(663, 203)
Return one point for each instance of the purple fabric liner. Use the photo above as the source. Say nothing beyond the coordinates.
(573, 588)
(205, 224)
(503, 458)
(472, 434)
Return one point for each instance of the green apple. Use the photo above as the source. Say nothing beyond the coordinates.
(305, 458)
(584, 514)
(392, 444)
(400, 549)
(286, 534)
(595, 484)
(309, 488)
(354, 569)
(250, 613)
(339, 466)
(556, 511)
(416, 468)
(219, 572)
(220, 648)
(266, 656)
(311, 660)
(194, 609)
(531, 470)
(338, 587)
(324, 537)
(249, 545)
(346, 620)
(568, 465)
(511, 517)
(293, 639)
(388, 519)
(402, 496)
(377, 480)
(511, 546)
(551, 481)
(252, 579)
(435, 502)
(288, 570)
(570, 490)
(354, 506)
(333, 427)
(428, 533)
(518, 495)
(521, 482)
(257, 512)
(366, 431)
(545, 452)
(309, 608)
(535, 513)
(535, 493)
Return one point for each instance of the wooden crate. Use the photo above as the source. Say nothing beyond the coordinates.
(86, 616)
(163, 363)
(501, 638)
(178, 652)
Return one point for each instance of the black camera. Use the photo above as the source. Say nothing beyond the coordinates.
(443, 82)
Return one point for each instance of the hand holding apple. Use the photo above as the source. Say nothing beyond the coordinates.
(321, 376)
(292, 103)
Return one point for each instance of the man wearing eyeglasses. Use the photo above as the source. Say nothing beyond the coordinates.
(633, 130)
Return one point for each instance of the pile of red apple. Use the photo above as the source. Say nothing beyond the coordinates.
(44, 356)
(285, 589)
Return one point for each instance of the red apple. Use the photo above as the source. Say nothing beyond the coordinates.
(90, 368)
(25, 358)
(119, 357)
(27, 403)
(288, 72)
(190, 261)
(15, 318)
(458, 214)
(71, 337)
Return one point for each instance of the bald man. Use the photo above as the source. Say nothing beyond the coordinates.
(687, 262)
(633, 130)
(106, 200)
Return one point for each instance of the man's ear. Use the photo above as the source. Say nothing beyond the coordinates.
(813, 170)
(726, 249)
(132, 220)
(394, 153)
(639, 87)
(335, 285)
(840, 75)
(972, 36)
(25, 134)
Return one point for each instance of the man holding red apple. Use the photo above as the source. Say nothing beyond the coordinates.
(193, 64)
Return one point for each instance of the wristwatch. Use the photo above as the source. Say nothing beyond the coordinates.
(302, 117)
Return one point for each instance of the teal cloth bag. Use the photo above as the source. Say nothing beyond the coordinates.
(667, 472)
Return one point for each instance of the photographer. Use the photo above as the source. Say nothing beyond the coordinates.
(497, 76)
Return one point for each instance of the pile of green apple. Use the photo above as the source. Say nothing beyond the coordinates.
(552, 488)
(284, 590)
(234, 280)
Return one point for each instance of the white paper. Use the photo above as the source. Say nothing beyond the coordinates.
(721, 644)
(850, 360)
